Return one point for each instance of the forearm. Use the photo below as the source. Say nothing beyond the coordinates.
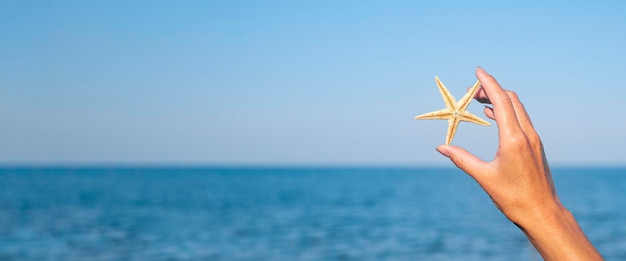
(557, 236)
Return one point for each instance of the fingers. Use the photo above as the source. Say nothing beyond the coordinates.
(522, 116)
(481, 96)
(489, 113)
(464, 160)
(526, 124)
(520, 111)
(504, 113)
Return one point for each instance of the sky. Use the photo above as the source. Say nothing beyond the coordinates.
(301, 82)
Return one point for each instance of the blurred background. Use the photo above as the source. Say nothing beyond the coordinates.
(271, 82)
(162, 130)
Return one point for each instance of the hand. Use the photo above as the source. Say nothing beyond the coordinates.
(519, 181)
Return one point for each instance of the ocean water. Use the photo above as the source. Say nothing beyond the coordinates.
(283, 214)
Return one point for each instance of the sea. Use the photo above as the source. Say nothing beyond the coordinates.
(283, 213)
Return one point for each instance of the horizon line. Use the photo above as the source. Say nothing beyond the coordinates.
(153, 165)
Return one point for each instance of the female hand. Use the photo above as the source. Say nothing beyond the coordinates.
(519, 181)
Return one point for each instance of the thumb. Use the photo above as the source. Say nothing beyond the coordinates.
(464, 160)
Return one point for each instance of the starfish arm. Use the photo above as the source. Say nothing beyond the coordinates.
(467, 98)
(435, 115)
(469, 117)
(448, 99)
(453, 123)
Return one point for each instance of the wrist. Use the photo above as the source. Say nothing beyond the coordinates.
(554, 232)
(548, 214)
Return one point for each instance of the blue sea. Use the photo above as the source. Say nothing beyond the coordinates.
(283, 214)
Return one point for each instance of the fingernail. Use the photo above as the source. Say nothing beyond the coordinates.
(443, 149)
(480, 69)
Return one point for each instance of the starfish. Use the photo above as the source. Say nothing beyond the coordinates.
(454, 112)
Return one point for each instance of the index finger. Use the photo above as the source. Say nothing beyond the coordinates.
(502, 104)
(481, 96)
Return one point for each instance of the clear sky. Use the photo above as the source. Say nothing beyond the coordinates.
(300, 82)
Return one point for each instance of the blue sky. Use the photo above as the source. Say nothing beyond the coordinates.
(284, 82)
